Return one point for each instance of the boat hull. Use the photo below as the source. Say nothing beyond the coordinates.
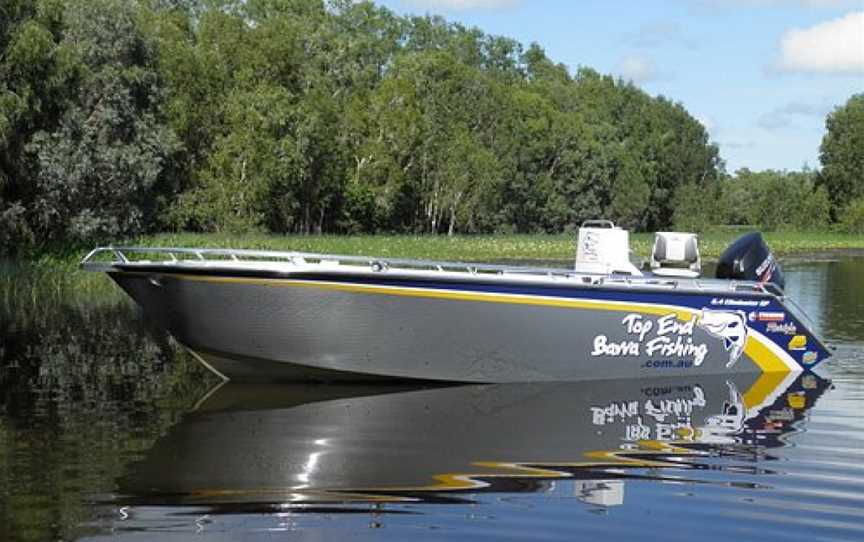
(341, 327)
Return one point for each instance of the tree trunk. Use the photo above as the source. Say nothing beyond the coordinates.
(452, 228)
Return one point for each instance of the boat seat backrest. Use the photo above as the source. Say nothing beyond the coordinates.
(678, 248)
(676, 254)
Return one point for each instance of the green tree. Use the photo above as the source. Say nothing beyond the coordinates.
(852, 217)
(842, 153)
(245, 164)
(37, 78)
(100, 169)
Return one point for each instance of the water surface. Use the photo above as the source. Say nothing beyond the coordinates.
(109, 431)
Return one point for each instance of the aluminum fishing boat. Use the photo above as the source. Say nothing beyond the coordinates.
(270, 316)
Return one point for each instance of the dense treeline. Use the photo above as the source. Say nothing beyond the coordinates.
(769, 200)
(304, 116)
(784, 200)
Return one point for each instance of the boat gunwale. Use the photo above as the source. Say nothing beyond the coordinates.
(297, 265)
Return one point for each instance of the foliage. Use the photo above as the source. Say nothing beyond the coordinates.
(767, 200)
(852, 217)
(93, 169)
(338, 116)
(36, 77)
(696, 207)
(842, 153)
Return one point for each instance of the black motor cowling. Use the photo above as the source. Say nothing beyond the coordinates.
(749, 258)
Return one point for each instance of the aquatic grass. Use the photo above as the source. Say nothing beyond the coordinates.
(485, 247)
(52, 272)
(30, 289)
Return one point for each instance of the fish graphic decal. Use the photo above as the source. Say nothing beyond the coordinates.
(731, 326)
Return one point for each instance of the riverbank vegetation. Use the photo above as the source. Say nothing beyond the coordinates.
(120, 118)
(545, 249)
(541, 247)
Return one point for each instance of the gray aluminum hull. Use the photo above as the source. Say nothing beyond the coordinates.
(367, 326)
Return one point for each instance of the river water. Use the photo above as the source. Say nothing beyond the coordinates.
(108, 431)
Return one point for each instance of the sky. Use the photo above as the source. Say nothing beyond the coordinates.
(761, 75)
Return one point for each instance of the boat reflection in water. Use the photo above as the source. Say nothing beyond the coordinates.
(254, 445)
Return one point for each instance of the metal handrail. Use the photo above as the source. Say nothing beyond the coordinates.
(174, 256)
(293, 257)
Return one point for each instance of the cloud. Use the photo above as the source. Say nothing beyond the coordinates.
(658, 34)
(783, 117)
(639, 69)
(833, 47)
(738, 144)
(462, 5)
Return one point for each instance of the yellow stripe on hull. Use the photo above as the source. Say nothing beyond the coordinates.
(485, 297)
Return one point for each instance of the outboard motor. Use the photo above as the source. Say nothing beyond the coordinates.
(749, 258)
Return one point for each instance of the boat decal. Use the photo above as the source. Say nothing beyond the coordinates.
(798, 342)
(768, 355)
(666, 336)
(787, 328)
(767, 316)
(730, 326)
(734, 302)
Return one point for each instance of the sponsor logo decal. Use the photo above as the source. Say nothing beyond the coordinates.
(767, 316)
(731, 302)
(798, 342)
(787, 329)
(809, 358)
